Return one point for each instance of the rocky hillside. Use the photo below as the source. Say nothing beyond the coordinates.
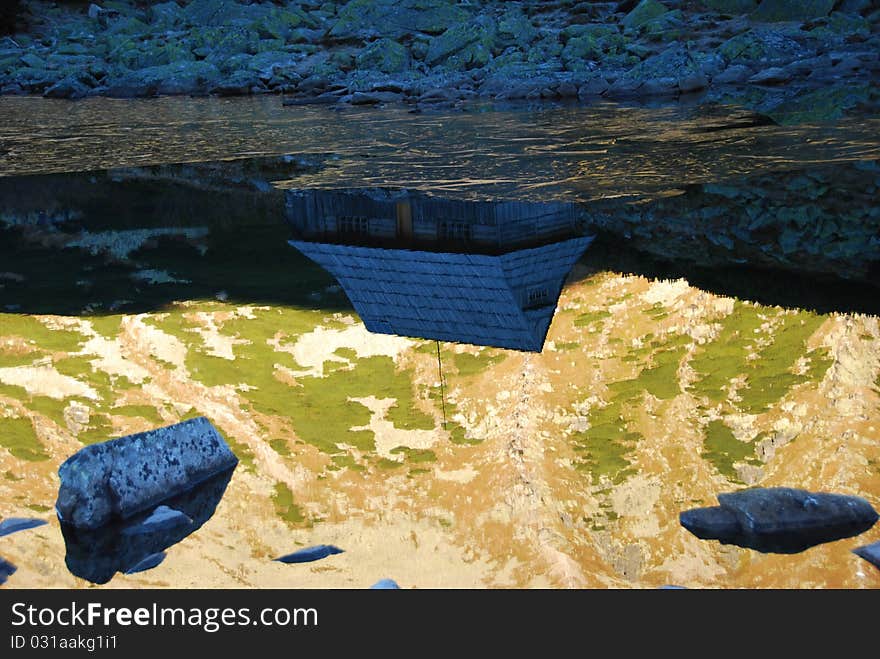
(438, 51)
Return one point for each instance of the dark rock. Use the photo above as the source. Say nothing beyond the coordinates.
(395, 18)
(383, 55)
(310, 554)
(772, 76)
(594, 86)
(70, 87)
(374, 98)
(385, 584)
(660, 74)
(731, 7)
(119, 478)
(791, 10)
(327, 98)
(7, 569)
(161, 519)
(16, 524)
(240, 82)
(147, 563)
(733, 74)
(765, 45)
(870, 553)
(644, 12)
(97, 554)
(692, 83)
(780, 520)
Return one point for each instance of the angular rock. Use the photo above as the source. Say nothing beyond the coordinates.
(310, 554)
(15, 524)
(870, 553)
(395, 18)
(7, 569)
(147, 563)
(733, 74)
(122, 477)
(383, 55)
(385, 584)
(97, 554)
(772, 76)
(772, 11)
(644, 12)
(70, 87)
(374, 98)
(780, 519)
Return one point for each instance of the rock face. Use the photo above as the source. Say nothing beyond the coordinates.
(780, 520)
(870, 553)
(119, 478)
(15, 524)
(310, 554)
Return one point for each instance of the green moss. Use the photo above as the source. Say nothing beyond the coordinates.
(348, 353)
(769, 377)
(147, 412)
(606, 444)
(347, 461)
(100, 429)
(567, 347)
(590, 317)
(661, 380)
(719, 361)
(107, 326)
(8, 475)
(280, 446)
(9, 359)
(415, 455)
(285, 507)
(656, 311)
(723, 449)
(417, 472)
(468, 364)
(38, 334)
(20, 439)
(385, 463)
(37, 507)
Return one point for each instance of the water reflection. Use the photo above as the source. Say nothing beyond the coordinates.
(134, 545)
(414, 265)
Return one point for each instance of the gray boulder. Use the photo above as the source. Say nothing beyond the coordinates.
(122, 477)
(780, 520)
(791, 10)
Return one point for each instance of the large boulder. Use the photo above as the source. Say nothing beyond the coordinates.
(117, 479)
(670, 72)
(780, 520)
(383, 55)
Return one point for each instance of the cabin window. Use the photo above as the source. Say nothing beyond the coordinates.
(352, 224)
(537, 297)
(457, 231)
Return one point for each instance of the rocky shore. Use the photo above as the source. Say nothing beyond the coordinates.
(812, 59)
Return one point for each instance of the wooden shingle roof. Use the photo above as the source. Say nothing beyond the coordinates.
(505, 301)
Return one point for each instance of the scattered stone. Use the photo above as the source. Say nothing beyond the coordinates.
(791, 10)
(374, 98)
(733, 74)
(645, 11)
(70, 87)
(15, 524)
(385, 584)
(870, 553)
(771, 76)
(310, 554)
(147, 563)
(780, 520)
(7, 569)
(119, 478)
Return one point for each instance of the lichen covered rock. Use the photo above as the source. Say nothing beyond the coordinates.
(122, 477)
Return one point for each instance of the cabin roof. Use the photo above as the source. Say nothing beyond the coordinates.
(466, 298)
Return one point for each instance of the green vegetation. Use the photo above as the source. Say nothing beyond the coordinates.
(346, 461)
(723, 449)
(567, 347)
(723, 359)
(656, 311)
(606, 444)
(20, 439)
(385, 463)
(770, 377)
(38, 334)
(590, 317)
(347, 353)
(285, 507)
(661, 380)
(415, 455)
(147, 412)
(280, 446)
(107, 326)
(468, 364)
